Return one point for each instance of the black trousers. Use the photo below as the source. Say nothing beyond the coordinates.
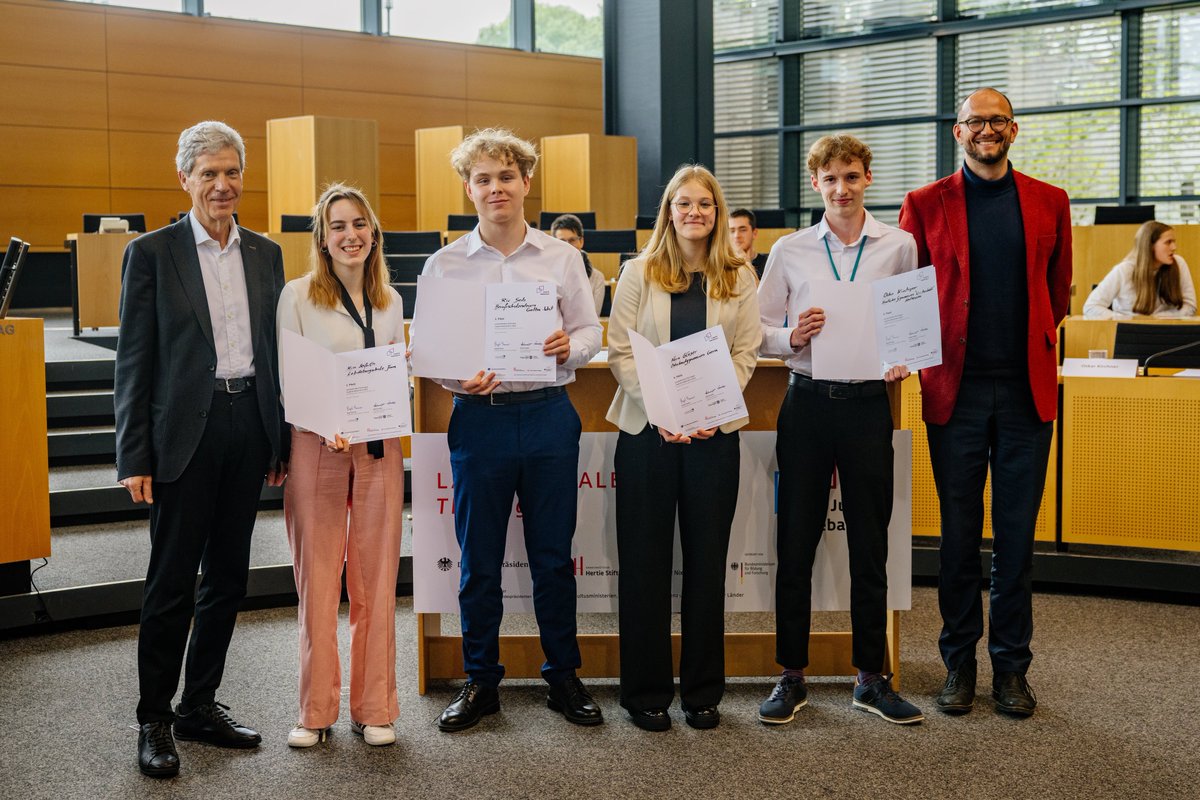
(996, 425)
(654, 480)
(816, 434)
(202, 521)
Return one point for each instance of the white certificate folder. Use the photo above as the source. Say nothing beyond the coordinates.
(688, 384)
(360, 394)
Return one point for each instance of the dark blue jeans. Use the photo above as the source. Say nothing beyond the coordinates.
(994, 425)
(530, 451)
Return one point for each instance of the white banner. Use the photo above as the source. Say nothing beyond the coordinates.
(750, 580)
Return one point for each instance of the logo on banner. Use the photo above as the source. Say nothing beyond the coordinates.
(740, 570)
(444, 564)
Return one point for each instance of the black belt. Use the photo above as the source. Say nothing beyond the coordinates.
(511, 398)
(837, 391)
(234, 385)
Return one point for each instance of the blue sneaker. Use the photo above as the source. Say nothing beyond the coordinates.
(780, 708)
(878, 697)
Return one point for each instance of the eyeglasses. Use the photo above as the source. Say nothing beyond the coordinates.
(975, 124)
(686, 206)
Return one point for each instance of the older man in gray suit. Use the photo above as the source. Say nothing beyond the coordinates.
(199, 425)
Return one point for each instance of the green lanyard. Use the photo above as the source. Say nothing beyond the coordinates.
(833, 266)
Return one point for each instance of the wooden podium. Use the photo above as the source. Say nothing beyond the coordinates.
(96, 278)
(439, 656)
(24, 470)
(439, 188)
(585, 172)
(304, 154)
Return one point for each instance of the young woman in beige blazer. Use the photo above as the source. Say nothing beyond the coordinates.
(688, 278)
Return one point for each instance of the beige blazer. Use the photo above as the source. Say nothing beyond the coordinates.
(644, 306)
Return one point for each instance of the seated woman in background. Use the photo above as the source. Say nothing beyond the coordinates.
(343, 503)
(1151, 280)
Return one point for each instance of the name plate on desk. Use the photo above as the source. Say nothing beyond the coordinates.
(1100, 368)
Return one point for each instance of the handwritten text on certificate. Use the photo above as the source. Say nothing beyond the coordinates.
(520, 317)
(688, 384)
(908, 328)
(362, 394)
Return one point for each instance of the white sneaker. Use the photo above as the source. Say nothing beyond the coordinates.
(301, 736)
(375, 734)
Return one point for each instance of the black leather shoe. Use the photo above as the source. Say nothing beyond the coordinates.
(958, 694)
(702, 717)
(1013, 694)
(571, 699)
(652, 719)
(474, 701)
(156, 751)
(210, 724)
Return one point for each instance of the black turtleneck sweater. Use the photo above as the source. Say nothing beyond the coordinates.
(997, 325)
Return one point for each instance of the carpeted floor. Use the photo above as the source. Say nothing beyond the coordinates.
(1113, 678)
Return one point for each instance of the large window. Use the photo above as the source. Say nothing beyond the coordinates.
(334, 14)
(151, 5)
(570, 27)
(1087, 78)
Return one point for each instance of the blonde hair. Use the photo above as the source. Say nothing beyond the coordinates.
(1152, 280)
(838, 147)
(498, 143)
(323, 289)
(665, 264)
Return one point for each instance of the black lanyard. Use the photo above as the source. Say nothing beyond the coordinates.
(374, 448)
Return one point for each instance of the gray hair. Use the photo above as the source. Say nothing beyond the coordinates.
(209, 137)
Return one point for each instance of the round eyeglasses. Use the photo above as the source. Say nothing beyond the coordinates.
(997, 124)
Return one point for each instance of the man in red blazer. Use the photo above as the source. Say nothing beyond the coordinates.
(1001, 244)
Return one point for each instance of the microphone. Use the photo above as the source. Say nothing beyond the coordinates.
(1167, 352)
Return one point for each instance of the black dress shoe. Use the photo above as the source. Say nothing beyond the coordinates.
(1013, 695)
(651, 719)
(473, 702)
(156, 751)
(210, 724)
(571, 699)
(702, 717)
(958, 693)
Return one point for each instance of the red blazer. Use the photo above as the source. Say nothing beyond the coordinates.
(936, 215)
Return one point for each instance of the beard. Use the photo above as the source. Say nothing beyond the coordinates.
(994, 158)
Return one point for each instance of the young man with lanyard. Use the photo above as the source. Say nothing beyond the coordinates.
(511, 438)
(825, 425)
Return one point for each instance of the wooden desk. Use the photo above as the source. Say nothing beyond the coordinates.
(1078, 335)
(25, 523)
(1130, 466)
(746, 654)
(96, 260)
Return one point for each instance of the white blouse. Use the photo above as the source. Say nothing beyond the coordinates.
(1115, 295)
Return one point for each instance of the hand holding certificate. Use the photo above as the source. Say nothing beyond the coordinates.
(497, 327)
(361, 395)
(870, 328)
(688, 384)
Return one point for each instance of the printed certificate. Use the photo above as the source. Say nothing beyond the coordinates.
(688, 384)
(361, 394)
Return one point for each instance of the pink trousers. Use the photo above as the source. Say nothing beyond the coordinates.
(345, 508)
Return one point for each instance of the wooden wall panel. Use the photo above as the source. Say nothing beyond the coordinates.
(44, 216)
(53, 35)
(512, 77)
(53, 157)
(398, 114)
(398, 212)
(384, 65)
(168, 105)
(397, 168)
(147, 160)
(55, 98)
(533, 122)
(217, 50)
(159, 205)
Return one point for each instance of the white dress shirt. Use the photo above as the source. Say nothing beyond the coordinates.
(1115, 295)
(540, 258)
(228, 307)
(800, 258)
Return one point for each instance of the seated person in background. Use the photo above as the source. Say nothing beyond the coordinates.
(1151, 280)
(744, 229)
(569, 229)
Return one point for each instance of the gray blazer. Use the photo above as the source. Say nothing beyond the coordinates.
(166, 358)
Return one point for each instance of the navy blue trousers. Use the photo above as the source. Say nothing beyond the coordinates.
(996, 425)
(530, 451)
